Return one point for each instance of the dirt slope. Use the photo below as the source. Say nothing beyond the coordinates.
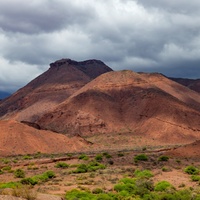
(63, 78)
(189, 151)
(17, 138)
(124, 102)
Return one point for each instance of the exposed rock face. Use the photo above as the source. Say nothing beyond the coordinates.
(124, 101)
(51, 88)
(193, 84)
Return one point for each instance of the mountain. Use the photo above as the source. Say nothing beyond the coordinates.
(193, 84)
(144, 105)
(4, 94)
(17, 138)
(62, 79)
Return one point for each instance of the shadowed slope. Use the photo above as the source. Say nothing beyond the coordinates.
(125, 101)
(51, 88)
(193, 84)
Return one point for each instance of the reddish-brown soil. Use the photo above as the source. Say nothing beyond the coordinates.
(188, 151)
(17, 138)
(127, 102)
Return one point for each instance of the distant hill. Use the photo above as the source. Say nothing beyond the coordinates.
(193, 84)
(4, 94)
(62, 79)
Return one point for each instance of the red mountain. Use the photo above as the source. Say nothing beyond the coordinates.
(193, 84)
(146, 105)
(54, 86)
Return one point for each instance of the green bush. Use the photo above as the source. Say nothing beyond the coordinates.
(61, 165)
(19, 173)
(1, 171)
(82, 168)
(143, 174)
(27, 157)
(6, 168)
(97, 191)
(140, 157)
(28, 181)
(191, 170)
(195, 178)
(83, 157)
(92, 166)
(9, 185)
(107, 155)
(163, 158)
(99, 157)
(38, 178)
(77, 194)
(162, 186)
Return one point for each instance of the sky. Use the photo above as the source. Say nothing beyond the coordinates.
(141, 35)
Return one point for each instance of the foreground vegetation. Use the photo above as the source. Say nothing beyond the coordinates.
(118, 176)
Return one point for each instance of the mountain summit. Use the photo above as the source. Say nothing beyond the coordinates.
(62, 79)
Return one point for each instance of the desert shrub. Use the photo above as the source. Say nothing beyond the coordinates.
(28, 181)
(163, 158)
(107, 155)
(1, 171)
(191, 170)
(195, 178)
(5, 161)
(19, 173)
(61, 165)
(82, 168)
(143, 186)
(99, 157)
(26, 157)
(77, 194)
(97, 191)
(38, 178)
(166, 169)
(162, 186)
(120, 154)
(92, 166)
(6, 168)
(83, 157)
(140, 157)
(143, 174)
(9, 185)
(129, 188)
(49, 174)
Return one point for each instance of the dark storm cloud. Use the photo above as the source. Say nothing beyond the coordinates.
(40, 16)
(142, 35)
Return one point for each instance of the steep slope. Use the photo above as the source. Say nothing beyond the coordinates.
(63, 78)
(17, 138)
(125, 102)
(193, 84)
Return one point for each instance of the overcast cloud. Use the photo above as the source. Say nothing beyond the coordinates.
(141, 35)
